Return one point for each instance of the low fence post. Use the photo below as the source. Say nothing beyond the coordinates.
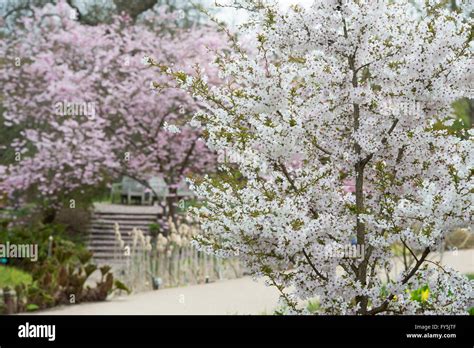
(9, 301)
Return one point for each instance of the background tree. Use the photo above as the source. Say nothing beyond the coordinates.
(88, 114)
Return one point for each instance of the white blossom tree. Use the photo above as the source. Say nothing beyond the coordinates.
(331, 123)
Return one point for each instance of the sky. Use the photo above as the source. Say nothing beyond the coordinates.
(234, 17)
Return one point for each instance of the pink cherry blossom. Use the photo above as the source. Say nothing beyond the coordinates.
(81, 95)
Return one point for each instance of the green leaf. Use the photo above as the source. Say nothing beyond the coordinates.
(121, 286)
(104, 270)
(89, 269)
(30, 307)
(85, 256)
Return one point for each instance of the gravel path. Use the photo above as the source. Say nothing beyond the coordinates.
(238, 296)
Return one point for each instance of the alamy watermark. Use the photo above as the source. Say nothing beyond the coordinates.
(344, 251)
(227, 156)
(28, 330)
(402, 107)
(70, 108)
(21, 251)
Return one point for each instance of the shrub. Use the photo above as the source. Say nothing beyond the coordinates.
(62, 272)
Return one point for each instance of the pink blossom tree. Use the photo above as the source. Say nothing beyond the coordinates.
(86, 107)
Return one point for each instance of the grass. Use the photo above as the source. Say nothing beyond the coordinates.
(11, 277)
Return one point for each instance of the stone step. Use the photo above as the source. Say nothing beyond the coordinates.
(108, 261)
(95, 242)
(102, 239)
(109, 255)
(108, 236)
(121, 227)
(108, 250)
(126, 216)
(111, 232)
(122, 222)
(102, 224)
(107, 244)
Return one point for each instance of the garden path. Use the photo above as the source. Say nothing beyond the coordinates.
(238, 296)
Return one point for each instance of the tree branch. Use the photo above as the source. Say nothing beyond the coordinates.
(320, 275)
(384, 306)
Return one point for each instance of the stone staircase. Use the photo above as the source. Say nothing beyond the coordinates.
(102, 242)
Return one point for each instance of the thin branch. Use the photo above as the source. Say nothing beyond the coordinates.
(184, 164)
(320, 275)
(384, 306)
(327, 152)
(438, 265)
(411, 251)
(288, 177)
